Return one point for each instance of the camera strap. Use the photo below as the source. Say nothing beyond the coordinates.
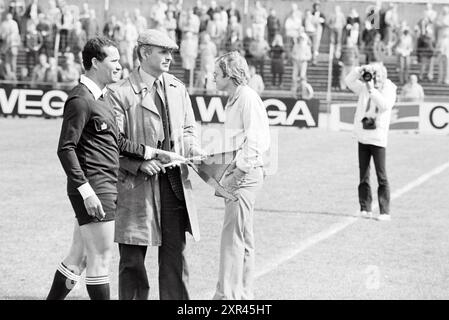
(368, 106)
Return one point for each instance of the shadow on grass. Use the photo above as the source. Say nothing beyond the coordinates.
(296, 212)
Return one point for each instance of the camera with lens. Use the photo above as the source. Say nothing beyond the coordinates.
(369, 123)
(367, 76)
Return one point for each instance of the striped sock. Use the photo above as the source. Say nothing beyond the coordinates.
(63, 282)
(98, 287)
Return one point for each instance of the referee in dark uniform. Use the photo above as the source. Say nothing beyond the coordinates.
(89, 148)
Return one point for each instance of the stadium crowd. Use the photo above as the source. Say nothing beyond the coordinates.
(207, 30)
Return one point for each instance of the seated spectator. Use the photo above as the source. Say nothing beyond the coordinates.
(412, 91)
(255, 81)
(71, 71)
(277, 55)
(34, 42)
(38, 74)
(54, 72)
(24, 75)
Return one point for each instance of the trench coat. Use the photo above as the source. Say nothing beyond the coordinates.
(138, 216)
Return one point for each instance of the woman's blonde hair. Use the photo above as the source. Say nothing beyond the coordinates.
(234, 66)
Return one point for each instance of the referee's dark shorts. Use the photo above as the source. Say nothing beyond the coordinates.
(108, 201)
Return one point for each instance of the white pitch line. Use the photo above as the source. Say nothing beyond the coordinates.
(275, 262)
(326, 234)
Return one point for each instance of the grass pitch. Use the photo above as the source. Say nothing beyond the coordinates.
(313, 191)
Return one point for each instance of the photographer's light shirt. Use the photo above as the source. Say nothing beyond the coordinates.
(383, 99)
(246, 126)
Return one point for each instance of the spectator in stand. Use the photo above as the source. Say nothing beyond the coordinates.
(141, 21)
(33, 42)
(277, 55)
(68, 20)
(293, 26)
(301, 55)
(112, 28)
(32, 13)
(337, 67)
(24, 76)
(442, 24)
(213, 9)
(391, 26)
(204, 19)
(320, 21)
(428, 21)
(129, 42)
(208, 53)
(404, 50)
(255, 81)
(273, 26)
(77, 40)
(38, 74)
(368, 35)
(247, 40)
(425, 52)
(54, 72)
(259, 20)
(170, 25)
(234, 35)
(45, 29)
(443, 60)
(205, 79)
(352, 18)
(233, 11)
(71, 71)
(310, 27)
(224, 20)
(214, 30)
(379, 49)
(198, 8)
(412, 91)
(337, 22)
(157, 13)
(5, 72)
(9, 33)
(188, 51)
(350, 60)
(259, 49)
(90, 25)
(354, 34)
(189, 22)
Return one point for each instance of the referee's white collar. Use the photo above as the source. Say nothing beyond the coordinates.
(93, 87)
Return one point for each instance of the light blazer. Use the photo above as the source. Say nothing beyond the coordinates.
(138, 204)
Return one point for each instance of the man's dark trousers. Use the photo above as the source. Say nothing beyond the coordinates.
(366, 151)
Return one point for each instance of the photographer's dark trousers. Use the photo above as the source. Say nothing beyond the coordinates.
(366, 151)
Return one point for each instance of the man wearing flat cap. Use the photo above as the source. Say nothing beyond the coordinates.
(155, 206)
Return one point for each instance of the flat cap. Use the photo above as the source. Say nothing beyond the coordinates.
(156, 38)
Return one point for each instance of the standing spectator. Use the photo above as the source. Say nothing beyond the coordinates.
(310, 27)
(277, 60)
(443, 60)
(412, 91)
(54, 72)
(233, 11)
(234, 34)
(391, 26)
(54, 16)
(77, 40)
(45, 28)
(68, 20)
(38, 74)
(337, 69)
(170, 25)
(214, 30)
(33, 41)
(368, 35)
(404, 49)
(204, 19)
(320, 21)
(247, 40)
(208, 52)
(301, 55)
(198, 8)
(71, 71)
(352, 18)
(354, 34)
(32, 13)
(259, 20)
(425, 53)
(142, 24)
(213, 9)
(188, 52)
(337, 22)
(350, 59)
(191, 23)
(9, 33)
(273, 26)
(442, 24)
(5, 72)
(157, 13)
(379, 49)
(129, 42)
(90, 25)
(293, 26)
(259, 49)
(112, 28)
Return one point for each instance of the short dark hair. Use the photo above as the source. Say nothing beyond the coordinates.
(94, 49)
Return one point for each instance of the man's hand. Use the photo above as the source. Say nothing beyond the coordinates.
(94, 207)
(152, 167)
(167, 157)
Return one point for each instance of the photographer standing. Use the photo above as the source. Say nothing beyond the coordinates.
(377, 96)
